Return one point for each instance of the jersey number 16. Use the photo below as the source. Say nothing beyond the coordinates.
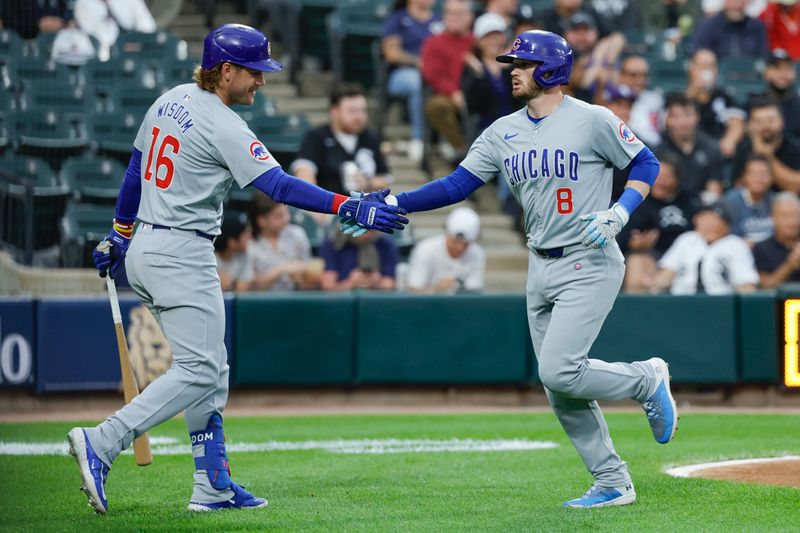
(163, 159)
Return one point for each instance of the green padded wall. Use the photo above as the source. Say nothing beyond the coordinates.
(696, 335)
(758, 337)
(295, 339)
(463, 339)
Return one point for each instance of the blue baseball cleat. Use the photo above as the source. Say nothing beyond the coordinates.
(241, 500)
(662, 413)
(94, 472)
(604, 497)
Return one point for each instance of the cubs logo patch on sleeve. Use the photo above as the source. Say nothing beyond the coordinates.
(258, 151)
(626, 134)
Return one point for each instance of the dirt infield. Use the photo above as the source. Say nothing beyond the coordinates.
(783, 471)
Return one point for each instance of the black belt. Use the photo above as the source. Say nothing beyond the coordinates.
(196, 232)
(555, 253)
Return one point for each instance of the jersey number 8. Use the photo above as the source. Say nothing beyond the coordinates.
(564, 200)
(162, 160)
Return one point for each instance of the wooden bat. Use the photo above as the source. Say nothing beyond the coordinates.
(141, 446)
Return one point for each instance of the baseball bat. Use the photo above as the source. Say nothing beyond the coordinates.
(141, 445)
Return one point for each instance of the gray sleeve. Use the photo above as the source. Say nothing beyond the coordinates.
(245, 156)
(613, 140)
(481, 159)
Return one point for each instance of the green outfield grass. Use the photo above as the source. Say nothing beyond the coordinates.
(478, 491)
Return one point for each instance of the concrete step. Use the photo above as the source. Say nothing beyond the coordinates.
(304, 104)
(490, 237)
(279, 90)
(507, 258)
(436, 218)
(510, 281)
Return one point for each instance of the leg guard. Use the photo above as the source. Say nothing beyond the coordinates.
(214, 460)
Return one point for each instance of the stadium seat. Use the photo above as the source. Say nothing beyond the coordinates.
(11, 45)
(160, 46)
(667, 76)
(93, 179)
(62, 100)
(32, 199)
(263, 105)
(177, 71)
(112, 134)
(37, 71)
(353, 28)
(742, 76)
(134, 100)
(7, 132)
(281, 134)
(44, 133)
(82, 228)
(106, 76)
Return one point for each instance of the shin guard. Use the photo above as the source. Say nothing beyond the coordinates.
(214, 459)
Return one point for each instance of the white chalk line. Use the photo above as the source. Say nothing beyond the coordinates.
(168, 446)
(687, 471)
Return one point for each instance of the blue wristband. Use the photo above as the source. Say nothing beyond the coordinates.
(630, 199)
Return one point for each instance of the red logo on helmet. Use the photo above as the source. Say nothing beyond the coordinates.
(516, 44)
(258, 151)
(626, 134)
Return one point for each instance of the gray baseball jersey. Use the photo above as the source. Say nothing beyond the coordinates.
(193, 147)
(558, 169)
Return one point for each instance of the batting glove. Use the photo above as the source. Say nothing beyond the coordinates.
(109, 255)
(366, 211)
(603, 226)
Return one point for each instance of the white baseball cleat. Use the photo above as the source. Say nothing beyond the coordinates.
(660, 408)
(94, 472)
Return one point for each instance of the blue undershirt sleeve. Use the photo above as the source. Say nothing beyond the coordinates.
(288, 189)
(441, 192)
(130, 193)
(644, 167)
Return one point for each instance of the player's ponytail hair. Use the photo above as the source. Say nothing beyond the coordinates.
(207, 79)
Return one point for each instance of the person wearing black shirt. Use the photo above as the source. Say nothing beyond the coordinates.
(654, 226)
(700, 158)
(778, 258)
(343, 155)
(766, 137)
(780, 76)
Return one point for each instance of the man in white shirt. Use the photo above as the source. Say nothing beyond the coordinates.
(709, 259)
(103, 19)
(451, 262)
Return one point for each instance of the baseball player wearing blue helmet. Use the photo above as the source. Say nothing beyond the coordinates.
(556, 156)
(190, 148)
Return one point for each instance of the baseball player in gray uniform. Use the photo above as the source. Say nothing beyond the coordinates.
(556, 155)
(189, 149)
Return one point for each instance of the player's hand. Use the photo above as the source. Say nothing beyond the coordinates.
(110, 253)
(350, 226)
(603, 226)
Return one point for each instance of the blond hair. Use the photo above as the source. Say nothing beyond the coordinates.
(207, 79)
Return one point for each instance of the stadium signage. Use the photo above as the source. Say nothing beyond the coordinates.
(791, 351)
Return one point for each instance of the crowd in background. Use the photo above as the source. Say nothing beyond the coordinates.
(723, 215)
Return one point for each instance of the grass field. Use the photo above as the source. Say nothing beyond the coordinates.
(318, 490)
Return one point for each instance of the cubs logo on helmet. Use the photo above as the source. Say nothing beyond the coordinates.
(258, 151)
(516, 44)
(626, 134)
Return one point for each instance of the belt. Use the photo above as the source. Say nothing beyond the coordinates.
(555, 253)
(196, 232)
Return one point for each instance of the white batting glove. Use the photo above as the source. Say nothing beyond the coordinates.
(603, 226)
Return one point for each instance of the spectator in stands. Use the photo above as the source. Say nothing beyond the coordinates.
(778, 257)
(452, 262)
(646, 111)
(104, 19)
(366, 262)
(781, 19)
(765, 136)
(780, 75)
(720, 117)
(709, 259)
(231, 248)
(700, 159)
(343, 155)
(751, 202)
(666, 15)
(619, 16)
(732, 33)
(281, 251)
(406, 29)
(664, 215)
(443, 57)
(753, 8)
(29, 18)
(486, 83)
(506, 9)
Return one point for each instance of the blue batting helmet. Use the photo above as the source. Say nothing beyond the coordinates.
(240, 45)
(551, 50)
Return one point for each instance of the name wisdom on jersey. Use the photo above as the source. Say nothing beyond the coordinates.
(545, 163)
(177, 112)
